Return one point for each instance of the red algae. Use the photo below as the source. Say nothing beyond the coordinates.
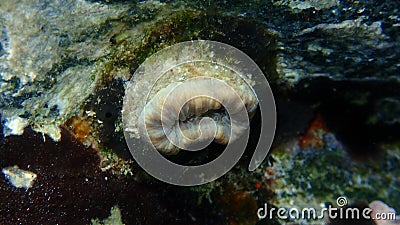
(314, 134)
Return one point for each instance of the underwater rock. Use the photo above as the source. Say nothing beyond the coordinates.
(113, 219)
(47, 63)
(361, 113)
(297, 5)
(317, 177)
(15, 126)
(322, 51)
(58, 61)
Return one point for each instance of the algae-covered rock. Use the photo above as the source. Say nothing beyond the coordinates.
(113, 219)
(317, 177)
(297, 5)
(46, 65)
(325, 50)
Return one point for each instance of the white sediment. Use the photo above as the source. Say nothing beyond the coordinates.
(15, 126)
(19, 178)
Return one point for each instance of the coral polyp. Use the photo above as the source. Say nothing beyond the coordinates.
(189, 98)
(199, 119)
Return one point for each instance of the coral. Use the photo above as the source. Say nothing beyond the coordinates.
(185, 129)
(188, 85)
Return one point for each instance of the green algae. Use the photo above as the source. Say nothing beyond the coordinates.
(115, 218)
